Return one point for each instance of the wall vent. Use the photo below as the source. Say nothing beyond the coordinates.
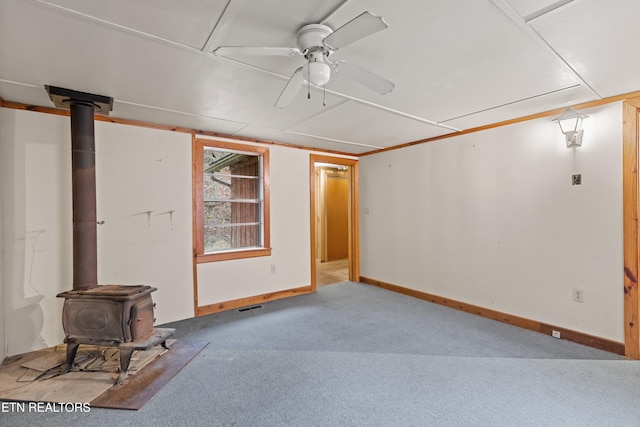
(253, 307)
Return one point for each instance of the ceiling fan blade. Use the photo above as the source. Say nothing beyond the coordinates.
(364, 77)
(358, 28)
(256, 50)
(292, 88)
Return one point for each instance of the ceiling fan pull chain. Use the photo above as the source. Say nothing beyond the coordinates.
(324, 95)
(309, 78)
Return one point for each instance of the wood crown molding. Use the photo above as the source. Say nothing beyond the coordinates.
(138, 123)
(555, 112)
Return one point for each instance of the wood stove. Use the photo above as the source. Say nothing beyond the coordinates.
(111, 315)
(108, 313)
(114, 315)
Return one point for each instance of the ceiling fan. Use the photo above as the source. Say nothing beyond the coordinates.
(316, 42)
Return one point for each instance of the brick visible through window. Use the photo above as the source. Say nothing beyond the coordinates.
(232, 200)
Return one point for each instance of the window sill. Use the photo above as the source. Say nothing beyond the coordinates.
(226, 256)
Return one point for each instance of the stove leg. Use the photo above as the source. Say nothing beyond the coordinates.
(72, 349)
(125, 360)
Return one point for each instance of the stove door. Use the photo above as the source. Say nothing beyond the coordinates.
(141, 320)
(92, 319)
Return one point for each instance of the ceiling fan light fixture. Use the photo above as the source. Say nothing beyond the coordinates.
(316, 42)
(319, 73)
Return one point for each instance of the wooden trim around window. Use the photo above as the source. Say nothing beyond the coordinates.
(198, 196)
(239, 254)
(195, 191)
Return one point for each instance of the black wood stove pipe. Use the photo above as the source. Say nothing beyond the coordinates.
(83, 165)
(83, 162)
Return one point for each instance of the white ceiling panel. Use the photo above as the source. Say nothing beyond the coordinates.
(523, 108)
(27, 94)
(304, 140)
(188, 22)
(597, 39)
(143, 71)
(466, 63)
(446, 63)
(268, 23)
(172, 118)
(65, 50)
(359, 123)
(233, 92)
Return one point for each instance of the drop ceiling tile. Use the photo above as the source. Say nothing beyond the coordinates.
(142, 71)
(602, 54)
(303, 140)
(24, 94)
(455, 59)
(523, 108)
(106, 61)
(188, 22)
(367, 125)
(223, 89)
(173, 118)
(265, 23)
(451, 58)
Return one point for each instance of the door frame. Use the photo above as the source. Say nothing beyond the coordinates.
(630, 187)
(354, 228)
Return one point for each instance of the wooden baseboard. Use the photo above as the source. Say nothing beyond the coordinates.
(533, 325)
(243, 302)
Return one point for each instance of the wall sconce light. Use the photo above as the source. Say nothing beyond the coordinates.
(571, 126)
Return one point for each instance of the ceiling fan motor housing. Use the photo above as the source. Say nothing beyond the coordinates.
(311, 36)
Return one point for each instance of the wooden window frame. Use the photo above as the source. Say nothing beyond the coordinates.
(199, 146)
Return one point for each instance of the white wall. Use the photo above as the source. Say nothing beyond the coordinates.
(36, 249)
(137, 169)
(491, 219)
(290, 239)
(144, 197)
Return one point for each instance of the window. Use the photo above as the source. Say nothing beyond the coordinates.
(231, 191)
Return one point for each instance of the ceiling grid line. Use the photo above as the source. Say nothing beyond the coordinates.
(118, 26)
(218, 26)
(326, 109)
(554, 7)
(334, 139)
(348, 97)
(19, 83)
(333, 12)
(508, 10)
(500, 60)
(506, 104)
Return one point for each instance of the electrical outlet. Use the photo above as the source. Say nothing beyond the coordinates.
(578, 295)
(555, 334)
(273, 268)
